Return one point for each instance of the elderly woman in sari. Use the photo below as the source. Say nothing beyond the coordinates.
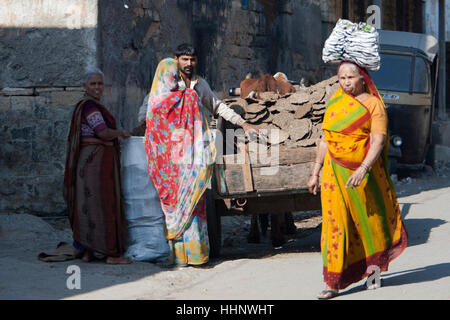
(362, 230)
(181, 154)
(92, 176)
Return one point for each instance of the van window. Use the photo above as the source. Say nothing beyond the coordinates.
(395, 73)
(421, 76)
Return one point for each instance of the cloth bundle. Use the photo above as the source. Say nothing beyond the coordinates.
(355, 42)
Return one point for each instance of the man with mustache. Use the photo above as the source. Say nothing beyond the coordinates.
(187, 63)
(186, 57)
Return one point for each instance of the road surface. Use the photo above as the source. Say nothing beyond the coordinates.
(246, 271)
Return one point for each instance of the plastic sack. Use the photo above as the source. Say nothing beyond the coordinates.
(355, 42)
(145, 238)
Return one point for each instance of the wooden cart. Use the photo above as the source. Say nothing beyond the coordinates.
(248, 188)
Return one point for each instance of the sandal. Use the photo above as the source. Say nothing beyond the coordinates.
(327, 294)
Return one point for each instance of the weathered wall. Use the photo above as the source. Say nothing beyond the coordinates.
(298, 50)
(45, 47)
(131, 43)
(233, 37)
(46, 43)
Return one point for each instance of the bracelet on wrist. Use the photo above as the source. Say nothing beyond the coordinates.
(364, 166)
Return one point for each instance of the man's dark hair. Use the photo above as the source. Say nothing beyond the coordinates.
(185, 49)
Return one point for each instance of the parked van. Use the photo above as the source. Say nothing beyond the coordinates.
(407, 82)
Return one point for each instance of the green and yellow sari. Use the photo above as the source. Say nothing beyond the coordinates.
(362, 226)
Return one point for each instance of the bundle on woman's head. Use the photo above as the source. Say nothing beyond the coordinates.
(355, 42)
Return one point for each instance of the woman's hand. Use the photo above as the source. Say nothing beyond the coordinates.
(357, 177)
(125, 134)
(313, 184)
(377, 142)
(110, 134)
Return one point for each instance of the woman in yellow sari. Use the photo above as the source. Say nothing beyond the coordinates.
(362, 230)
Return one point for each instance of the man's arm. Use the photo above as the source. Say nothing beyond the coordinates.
(215, 105)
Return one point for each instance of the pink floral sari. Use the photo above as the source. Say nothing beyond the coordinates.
(180, 151)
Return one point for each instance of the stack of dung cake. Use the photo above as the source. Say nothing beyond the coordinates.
(296, 117)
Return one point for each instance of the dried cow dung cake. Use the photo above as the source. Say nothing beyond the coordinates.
(299, 129)
(317, 95)
(293, 119)
(259, 117)
(302, 110)
(277, 136)
(284, 105)
(271, 96)
(306, 143)
(282, 119)
(316, 131)
(255, 108)
(299, 97)
(269, 118)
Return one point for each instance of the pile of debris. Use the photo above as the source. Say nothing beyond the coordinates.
(297, 116)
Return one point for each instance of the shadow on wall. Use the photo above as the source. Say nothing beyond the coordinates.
(131, 42)
(45, 57)
(40, 82)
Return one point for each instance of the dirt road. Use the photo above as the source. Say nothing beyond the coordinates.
(245, 271)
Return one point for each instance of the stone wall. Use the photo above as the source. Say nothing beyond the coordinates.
(131, 43)
(233, 38)
(34, 124)
(46, 43)
(46, 47)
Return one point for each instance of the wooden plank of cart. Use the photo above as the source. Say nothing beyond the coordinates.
(244, 188)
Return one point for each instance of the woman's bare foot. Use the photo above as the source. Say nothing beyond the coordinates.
(117, 260)
(88, 256)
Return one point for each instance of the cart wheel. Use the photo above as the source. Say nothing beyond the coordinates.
(213, 214)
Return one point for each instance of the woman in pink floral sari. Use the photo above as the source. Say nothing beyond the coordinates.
(181, 152)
